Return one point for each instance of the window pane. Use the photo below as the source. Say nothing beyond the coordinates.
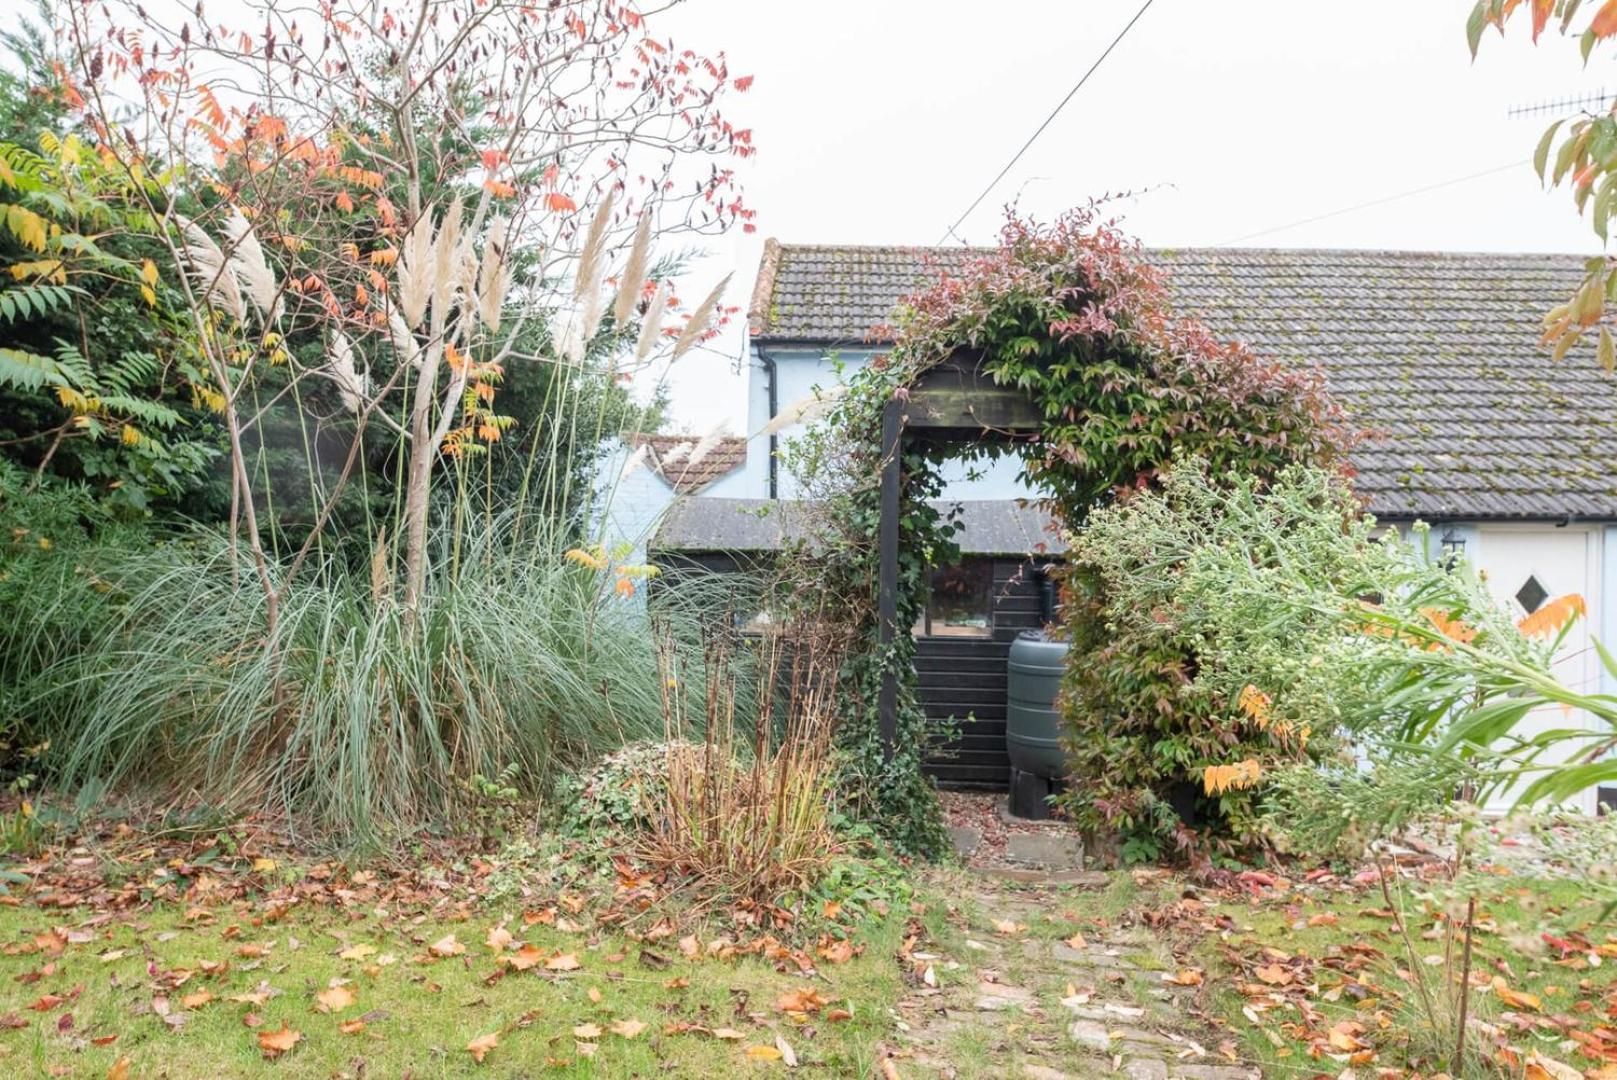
(960, 600)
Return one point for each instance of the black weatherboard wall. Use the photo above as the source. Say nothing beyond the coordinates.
(964, 679)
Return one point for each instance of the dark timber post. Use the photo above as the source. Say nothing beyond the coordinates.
(892, 479)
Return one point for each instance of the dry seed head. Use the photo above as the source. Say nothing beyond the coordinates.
(651, 325)
(415, 268)
(634, 273)
(634, 461)
(804, 410)
(697, 326)
(493, 277)
(705, 447)
(210, 268)
(251, 268)
(446, 251)
(350, 383)
(404, 342)
(592, 257)
(466, 267)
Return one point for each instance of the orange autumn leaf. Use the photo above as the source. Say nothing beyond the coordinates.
(837, 952)
(499, 189)
(1218, 779)
(1548, 620)
(333, 999)
(272, 1044)
(804, 1000)
(529, 956)
(1516, 999)
(1273, 974)
(1541, 16)
(120, 1069)
(1255, 703)
(560, 203)
(446, 946)
(1451, 628)
(480, 1046)
(1605, 21)
(564, 962)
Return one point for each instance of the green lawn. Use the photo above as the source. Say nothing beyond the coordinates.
(189, 991)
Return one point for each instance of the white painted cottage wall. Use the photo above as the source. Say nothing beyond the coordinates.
(629, 505)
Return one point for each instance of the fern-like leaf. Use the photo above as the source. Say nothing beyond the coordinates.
(147, 412)
(28, 371)
(35, 301)
(130, 371)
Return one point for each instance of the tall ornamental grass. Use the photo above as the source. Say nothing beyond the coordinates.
(358, 720)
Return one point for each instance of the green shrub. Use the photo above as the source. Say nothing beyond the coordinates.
(1269, 655)
(1165, 647)
(615, 796)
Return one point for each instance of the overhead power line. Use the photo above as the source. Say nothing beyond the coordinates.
(1595, 99)
(1377, 202)
(1079, 85)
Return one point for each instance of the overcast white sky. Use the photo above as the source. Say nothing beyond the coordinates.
(878, 122)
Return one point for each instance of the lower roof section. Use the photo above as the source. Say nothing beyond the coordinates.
(989, 526)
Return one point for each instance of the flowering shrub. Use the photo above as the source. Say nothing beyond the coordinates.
(1182, 694)
(1331, 683)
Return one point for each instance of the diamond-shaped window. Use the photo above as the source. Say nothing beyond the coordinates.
(1531, 595)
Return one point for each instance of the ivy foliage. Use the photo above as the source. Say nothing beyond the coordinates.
(1070, 314)
(838, 465)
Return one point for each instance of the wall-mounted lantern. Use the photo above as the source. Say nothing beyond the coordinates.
(1453, 548)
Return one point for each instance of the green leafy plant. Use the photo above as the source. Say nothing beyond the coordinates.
(98, 370)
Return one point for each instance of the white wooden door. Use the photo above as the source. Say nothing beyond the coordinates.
(1526, 566)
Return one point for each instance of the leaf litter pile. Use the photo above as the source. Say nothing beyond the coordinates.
(172, 958)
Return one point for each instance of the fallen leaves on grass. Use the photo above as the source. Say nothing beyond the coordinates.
(446, 946)
(801, 1002)
(334, 998)
(272, 1044)
(480, 1046)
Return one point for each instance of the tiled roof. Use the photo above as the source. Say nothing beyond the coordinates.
(687, 464)
(1436, 354)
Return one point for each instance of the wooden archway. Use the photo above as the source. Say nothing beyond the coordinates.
(958, 402)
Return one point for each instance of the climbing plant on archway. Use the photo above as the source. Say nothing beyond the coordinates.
(1071, 314)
